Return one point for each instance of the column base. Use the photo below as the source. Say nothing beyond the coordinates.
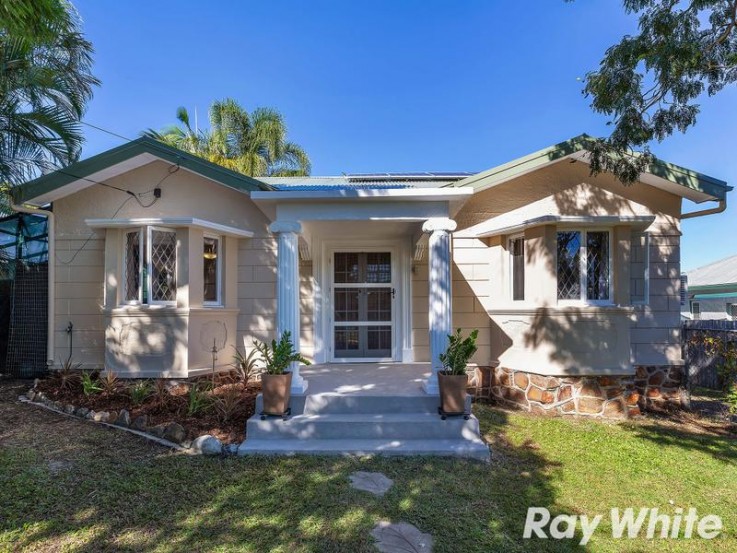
(430, 386)
(299, 386)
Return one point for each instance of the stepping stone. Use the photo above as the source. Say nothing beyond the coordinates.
(400, 538)
(372, 482)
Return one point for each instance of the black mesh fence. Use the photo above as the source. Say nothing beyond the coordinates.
(23, 294)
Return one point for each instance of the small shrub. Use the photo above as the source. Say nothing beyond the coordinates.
(227, 405)
(459, 351)
(161, 391)
(68, 375)
(725, 353)
(246, 367)
(277, 356)
(140, 391)
(90, 384)
(109, 382)
(198, 399)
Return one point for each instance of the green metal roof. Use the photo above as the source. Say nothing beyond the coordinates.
(674, 173)
(83, 169)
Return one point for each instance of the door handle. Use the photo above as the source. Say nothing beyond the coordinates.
(394, 292)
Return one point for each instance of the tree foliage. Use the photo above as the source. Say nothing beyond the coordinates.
(650, 83)
(253, 143)
(45, 84)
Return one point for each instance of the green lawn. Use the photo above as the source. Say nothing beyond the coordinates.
(67, 485)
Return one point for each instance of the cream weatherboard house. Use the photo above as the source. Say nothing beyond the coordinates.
(163, 260)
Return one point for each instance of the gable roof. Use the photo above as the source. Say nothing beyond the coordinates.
(723, 271)
(135, 153)
(676, 179)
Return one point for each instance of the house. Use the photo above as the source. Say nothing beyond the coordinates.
(165, 262)
(710, 292)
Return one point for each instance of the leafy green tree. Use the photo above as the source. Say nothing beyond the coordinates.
(253, 143)
(650, 83)
(45, 84)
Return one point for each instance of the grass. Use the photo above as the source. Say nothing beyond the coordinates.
(68, 485)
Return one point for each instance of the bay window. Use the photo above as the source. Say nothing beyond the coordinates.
(150, 265)
(584, 266)
(212, 270)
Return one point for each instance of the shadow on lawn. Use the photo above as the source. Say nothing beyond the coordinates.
(166, 502)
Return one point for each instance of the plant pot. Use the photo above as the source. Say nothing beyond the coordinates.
(452, 392)
(276, 392)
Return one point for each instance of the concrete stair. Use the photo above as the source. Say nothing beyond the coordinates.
(337, 424)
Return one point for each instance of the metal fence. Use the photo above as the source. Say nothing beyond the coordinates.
(23, 294)
(703, 368)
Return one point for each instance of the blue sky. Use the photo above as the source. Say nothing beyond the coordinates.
(388, 85)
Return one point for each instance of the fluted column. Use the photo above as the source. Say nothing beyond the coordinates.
(287, 289)
(440, 293)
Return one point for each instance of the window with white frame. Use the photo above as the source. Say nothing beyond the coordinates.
(584, 266)
(150, 266)
(212, 270)
(517, 267)
(695, 310)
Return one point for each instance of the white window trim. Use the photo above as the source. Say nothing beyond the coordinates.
(646, 261)
(149, 264)
(141, 260)
(513, 237)
(218, 271)
(583, 257)
(691, 305)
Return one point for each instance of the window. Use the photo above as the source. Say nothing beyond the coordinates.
(517, 267)
(695, 310)
(212, 264)
(150, 266)
(732, 311)
(583, 266)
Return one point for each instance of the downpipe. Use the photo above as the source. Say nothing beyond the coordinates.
(50, 312)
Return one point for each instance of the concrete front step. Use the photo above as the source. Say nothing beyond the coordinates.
(463, 448)
(362, 426)
(339, 404)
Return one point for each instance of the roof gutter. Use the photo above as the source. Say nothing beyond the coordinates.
(51, 276)
(711, 211)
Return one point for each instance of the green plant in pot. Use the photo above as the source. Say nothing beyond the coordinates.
(276, 380)
(453, 379)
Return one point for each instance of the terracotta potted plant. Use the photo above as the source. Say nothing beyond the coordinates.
(453, 379)
(276, 380)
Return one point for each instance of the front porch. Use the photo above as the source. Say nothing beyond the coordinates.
(365, 409)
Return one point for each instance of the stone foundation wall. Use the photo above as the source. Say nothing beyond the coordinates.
(615, 397)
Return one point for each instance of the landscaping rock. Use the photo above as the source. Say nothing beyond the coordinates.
(140, 423)
(91, 416)
(81, 412)
(69, 409)
(175, 433)
(157, 430)
(102, 416)
(31, 394)
(372, 482)
(58, 406)
(207, 445)
(123, 419)
(393, 538)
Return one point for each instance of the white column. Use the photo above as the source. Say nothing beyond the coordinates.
(440, 293)
(287, 290)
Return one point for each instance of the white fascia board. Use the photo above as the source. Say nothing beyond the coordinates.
(412, 194)
(170, 222)
(492, 228)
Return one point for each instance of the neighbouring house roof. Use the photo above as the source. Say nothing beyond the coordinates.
(661, 174)
(718, 273)
(130, 155)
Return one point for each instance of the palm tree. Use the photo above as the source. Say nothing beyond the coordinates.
(254, 144)
(45, 84)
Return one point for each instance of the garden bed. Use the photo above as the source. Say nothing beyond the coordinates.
(218, 407)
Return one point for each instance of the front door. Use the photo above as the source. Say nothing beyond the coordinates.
(363, 298)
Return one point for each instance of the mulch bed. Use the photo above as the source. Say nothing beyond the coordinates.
(230, 403)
